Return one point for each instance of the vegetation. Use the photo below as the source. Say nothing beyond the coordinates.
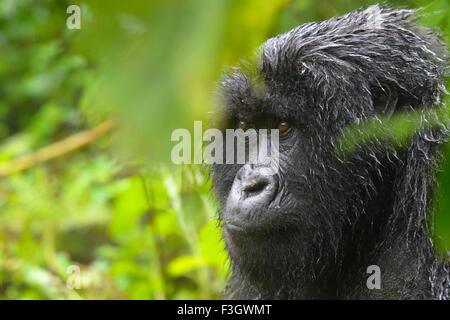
(86, 117)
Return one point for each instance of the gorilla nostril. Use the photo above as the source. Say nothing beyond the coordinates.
(261, 187)
(255, 187)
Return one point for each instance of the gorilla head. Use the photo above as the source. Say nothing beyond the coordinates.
(311, 229)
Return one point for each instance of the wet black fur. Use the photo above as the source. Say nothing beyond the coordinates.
(339, 215)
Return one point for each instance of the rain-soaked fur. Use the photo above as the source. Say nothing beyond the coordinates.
(332, 216)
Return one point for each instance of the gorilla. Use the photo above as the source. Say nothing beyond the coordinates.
(312, 229)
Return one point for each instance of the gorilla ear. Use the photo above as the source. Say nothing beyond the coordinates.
(385, 101)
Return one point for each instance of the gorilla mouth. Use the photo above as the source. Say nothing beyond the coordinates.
(253, 223)
(241, 229)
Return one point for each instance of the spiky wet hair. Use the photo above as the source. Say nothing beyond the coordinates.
(365, 51)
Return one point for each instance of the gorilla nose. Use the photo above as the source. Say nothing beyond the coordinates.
(254, 188)
(256, 184)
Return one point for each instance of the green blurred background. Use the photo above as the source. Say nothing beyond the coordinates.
(85, 122)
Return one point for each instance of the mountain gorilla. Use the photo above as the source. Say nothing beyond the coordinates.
(312, 229)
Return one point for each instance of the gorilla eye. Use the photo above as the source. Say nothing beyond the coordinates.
(283, 126)
(242, 125)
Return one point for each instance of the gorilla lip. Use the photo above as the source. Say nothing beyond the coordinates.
(234, 228)
(242, 228)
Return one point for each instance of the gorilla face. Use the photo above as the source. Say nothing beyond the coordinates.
(258, 193)
(279, 219)
(267, 210)
(291, 224)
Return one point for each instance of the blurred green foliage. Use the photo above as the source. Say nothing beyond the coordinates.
(137, 227)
